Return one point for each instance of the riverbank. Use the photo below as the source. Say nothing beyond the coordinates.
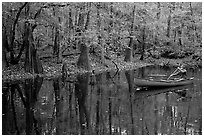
(52, 69)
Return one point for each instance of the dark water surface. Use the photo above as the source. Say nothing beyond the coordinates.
(102, 104)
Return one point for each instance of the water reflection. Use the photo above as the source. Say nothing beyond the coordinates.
(130, 78)
(81, 92)
(32, 88)
(19, 105)
(106, 103)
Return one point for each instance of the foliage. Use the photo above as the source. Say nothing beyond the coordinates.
(107, 26)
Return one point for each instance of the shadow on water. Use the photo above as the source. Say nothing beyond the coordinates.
(102, 104)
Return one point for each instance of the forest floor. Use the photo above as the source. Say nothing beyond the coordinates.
(53, 69)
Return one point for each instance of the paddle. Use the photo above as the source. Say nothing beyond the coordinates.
(172, 74)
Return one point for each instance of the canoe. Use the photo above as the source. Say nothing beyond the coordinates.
(151, 92)
(162, 83)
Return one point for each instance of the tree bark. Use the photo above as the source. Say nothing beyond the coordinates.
(83, 61)
(169, 22)
(168, 26)
(32, 61)
(129, 51)
(180, 34)
(128, 54)
(181, 31)
(37, 63)
(56, 43)
(102, 59)
(81, 18)
(70, 19)
(193, 25)
(143, 44)
(4, 46)
(157, 27)
(57, 52)
(88, 16)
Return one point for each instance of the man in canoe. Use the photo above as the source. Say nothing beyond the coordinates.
(180, 71)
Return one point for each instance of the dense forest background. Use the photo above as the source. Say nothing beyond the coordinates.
(32, 31)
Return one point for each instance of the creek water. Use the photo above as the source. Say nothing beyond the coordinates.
(104, 104)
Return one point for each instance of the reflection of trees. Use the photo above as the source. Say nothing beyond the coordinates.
(13, 109)
(165, 111)
(119, 103)
(58, 104)
(99, 117)
(81, 90)
(106, 109)
(28, 99)
(130, 78)
(71, 110)
(108, 80)
(5, 108)
(32, 88)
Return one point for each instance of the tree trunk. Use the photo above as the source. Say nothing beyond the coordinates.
(28, 58)
(81, 19)
(168, 26)
(4, 46)
(4, 58)
(128, 54)
(159, 12)
(83, 61)
(12, 57)
(169, 22)
(32, 61)
(157, 27)
(102, 59)
(193, 25)
(56, 48)
(88, 16)
(143, 44)
(37, 63)
(129, 51)
(180, 34)
(174, 35)
(130, 79)
(110, 41)
(181, 30)
(57, 52)
(70, 19)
